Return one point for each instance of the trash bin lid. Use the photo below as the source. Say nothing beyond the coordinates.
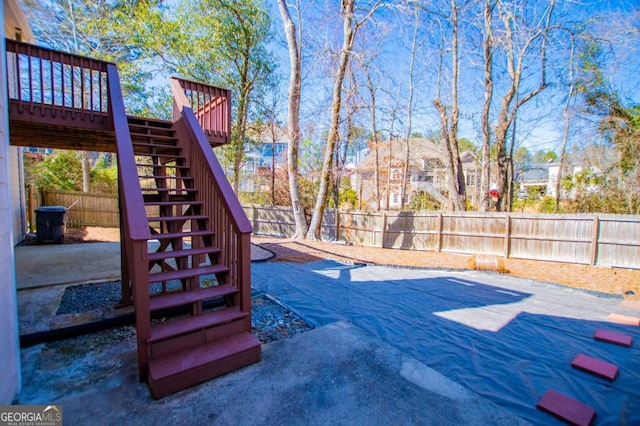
(51, 209)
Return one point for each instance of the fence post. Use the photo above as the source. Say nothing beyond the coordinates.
(337, 220)
(439, 234)
(594, 240)
(383, 228)
(507, 236)
(254, 221)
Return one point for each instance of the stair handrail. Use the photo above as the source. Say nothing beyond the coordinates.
(135, 213)
(211, 106)
(183, 106)
(134, 232)
(232, 229)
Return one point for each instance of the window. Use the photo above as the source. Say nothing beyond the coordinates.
(471, 180)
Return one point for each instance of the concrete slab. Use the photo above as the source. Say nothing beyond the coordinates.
(55, 264)
(336, 374)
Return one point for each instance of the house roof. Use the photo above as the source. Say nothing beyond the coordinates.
(420, 150)
(537, 173)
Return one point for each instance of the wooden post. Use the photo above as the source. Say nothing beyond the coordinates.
(383, 228)
(254, 220)
(337, 220)
(594, 239)
(439, 234)
(507, 236)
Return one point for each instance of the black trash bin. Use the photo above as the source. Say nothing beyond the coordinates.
(51, 222)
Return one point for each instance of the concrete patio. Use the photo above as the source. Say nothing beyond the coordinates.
(349, 370)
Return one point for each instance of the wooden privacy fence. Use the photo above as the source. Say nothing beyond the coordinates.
(604, 240)
(90, 209)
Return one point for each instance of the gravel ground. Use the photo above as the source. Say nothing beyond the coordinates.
(270, 320)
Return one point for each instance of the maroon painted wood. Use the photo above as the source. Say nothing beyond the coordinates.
(595, 366)
(171, 189)
(614, 338)
(566, 409)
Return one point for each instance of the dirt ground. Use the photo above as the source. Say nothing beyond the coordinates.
(622, 282)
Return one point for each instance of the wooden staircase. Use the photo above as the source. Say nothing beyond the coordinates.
(207, 334)
(184, 237)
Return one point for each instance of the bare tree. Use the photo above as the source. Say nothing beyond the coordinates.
(516, 58)
(412, 59)
(293, 117)
(487, 48)
(350, 29)
(449, 122)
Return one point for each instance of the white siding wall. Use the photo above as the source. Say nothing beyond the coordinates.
(17, 193)
(9, 345)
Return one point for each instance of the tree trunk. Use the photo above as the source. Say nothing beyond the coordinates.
(449, 125)
(486, 107)
(332, 137)
(293, 120)
(86, 172)
(405, 171)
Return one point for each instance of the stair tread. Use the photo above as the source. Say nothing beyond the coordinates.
(176, 218)
(152, 135)
(173, 203)
(165, 177)
(170, 189)
(157, 122)
(174, 364)
(150, 154)
(166, 330)
(172, 235)
(159, 255)
(174, 166)
(179, 298)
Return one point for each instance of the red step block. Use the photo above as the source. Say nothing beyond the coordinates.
(595, 366)
(613, 337)
(566, 409)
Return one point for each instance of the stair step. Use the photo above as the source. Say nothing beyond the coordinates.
(182, 178)
(150, 154)
(168, 166)
(186, 190)
(181, 298)
(166, 330)
(146, 148)
(174, 235)
(176, 218)
(153, 136)
(153, 123)
(173, 203)
(161, 255)
(184, 369)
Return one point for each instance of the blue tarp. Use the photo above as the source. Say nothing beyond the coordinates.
(508, 339)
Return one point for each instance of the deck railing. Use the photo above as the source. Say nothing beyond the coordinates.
(232, 229)
(211, 106)
(50, 86)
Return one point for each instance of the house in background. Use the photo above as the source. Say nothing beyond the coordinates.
(596, 159)
(426, 174)
(541, 178)
(266, 154)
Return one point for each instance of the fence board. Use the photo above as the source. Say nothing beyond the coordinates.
(603, 240)
(90, 210)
